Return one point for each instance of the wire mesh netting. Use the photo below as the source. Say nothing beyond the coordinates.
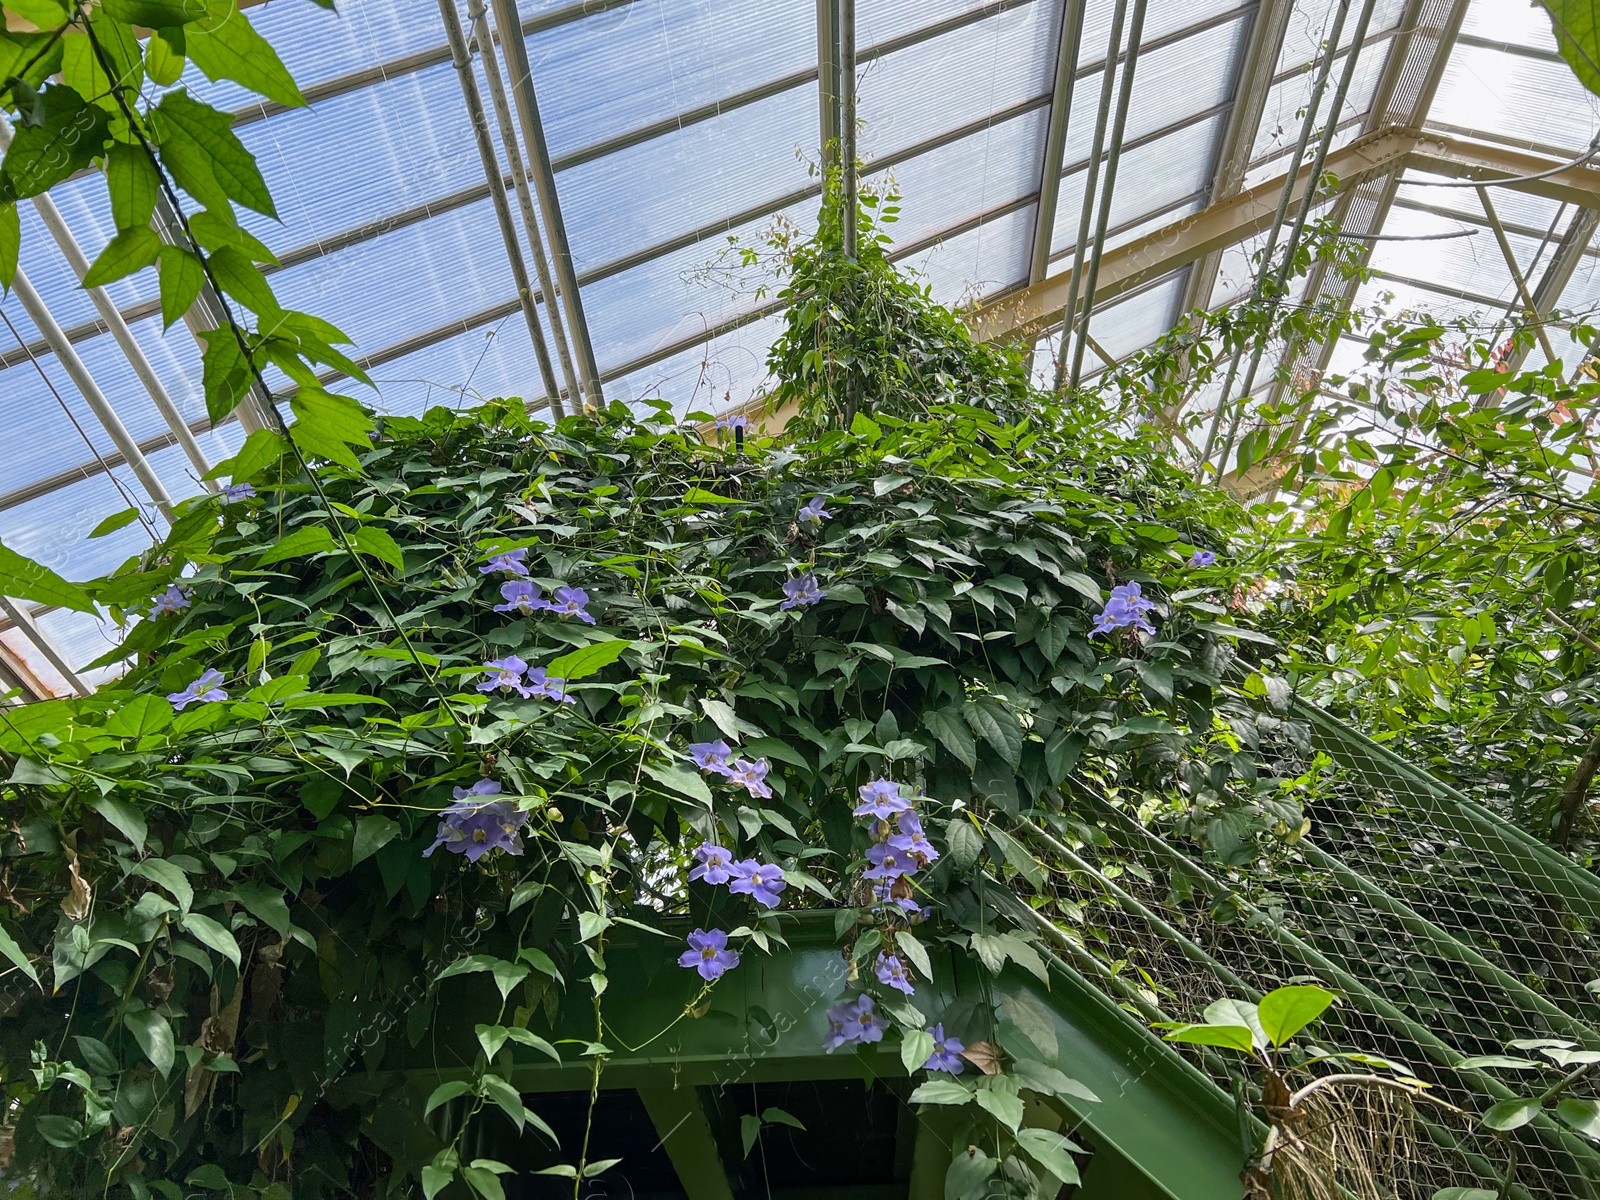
(1447, 932)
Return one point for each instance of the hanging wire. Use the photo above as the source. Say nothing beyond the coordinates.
(133, 503)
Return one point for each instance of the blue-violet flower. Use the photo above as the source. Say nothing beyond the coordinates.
(881, 799)
(812, 511)
(1203, 558)
(708, 953)
(1126, 607)
(946, 1054)
(521, 596)
(887, 862)
(511, 562)
(203, 690)
(751, 776)
(237, 491)
(542, 686)
(760, 881)
(569, 602)
(174, 599)
(803, 590)
(853, 1021)
(473, 827)
(716, 863)
(711, 756)
(505, 676)
(891, 972)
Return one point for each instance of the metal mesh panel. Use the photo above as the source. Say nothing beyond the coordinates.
(1446, 931)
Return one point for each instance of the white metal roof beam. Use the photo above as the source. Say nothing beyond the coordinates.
(1055, 147)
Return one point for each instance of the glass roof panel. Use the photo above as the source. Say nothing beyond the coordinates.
(1135, 321)
(953, 80)
(720, 372)
(990, 258)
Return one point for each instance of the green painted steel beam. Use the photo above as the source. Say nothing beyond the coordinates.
(680, 1121)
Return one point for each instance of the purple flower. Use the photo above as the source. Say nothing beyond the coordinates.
(803, 590)
(909, 823)
(505, 676)
(853, 1021)
(543, 687)
(511, 562)
(733, 421)
(946, 1054)
(711, 756)
(716, 863)
(569, 602)
(1126, 607)
(203, 690)
(812, 511)
(760, 881)
(881, 799)
(520, 596)
(751, 776)
(891, 972)
(237, 491)
(708, 953)
(484, 787)
(1203, 558)
(914, 846)
(174, 599)
(474, 827)
(887, 862)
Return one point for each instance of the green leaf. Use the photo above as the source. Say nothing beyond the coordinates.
(997, 726)
(777, 1116)
(588, 659)
(124, 817)
(1003, 1106)
(182, 277)
(680, 778)
(154, 14)
(941, 1091)
(23, 579)
(163, 56)
(140, 717)
(198, 146)
(46, 14)
(154, 1035)
(1511, 1114)
(373, 833)
(965, 842)
(1582, 1115)
(369, 539)
(213, 934)
(224, 45)
(1466, 1193)
(697, 495)
(1284, 1012)
(1051, 1151)
(1235, 1037)
(1478, 1062)
(1229, 1011)
(916, 1047)
(132, 180)
(970, 1170)
(242, 280)
(160, 871)
(1038, 1025)
(65, 1133)
(435, 1180)
(114, 522)
(10, 243)
(914, 953)
(443, 1093)
(225, 372)
(749, 1131)
(308, 539)
(14, 952)
(260, 450)
(1577, 37)
(327, 425)
(953, 733)
(66, 140)
(534, 1042)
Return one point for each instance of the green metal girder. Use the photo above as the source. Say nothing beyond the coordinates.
(766, 1021)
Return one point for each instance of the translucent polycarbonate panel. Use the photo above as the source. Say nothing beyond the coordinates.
(651, 308)
(725, 370)
(1135, 321)
(54, 529)
(1275, 160)
(687, 180)
(1523, 99)
(1311, 24)
(967, 75)
(1284, 113)
(463, 369)
(1151, 176)
(1581, 297)
(1470, 263)
(1394, 298)
(980, 262)
(1519, 24)
(50, 680)
(879, 21)
(959, 181)
(1236, 272)
(1176, 81)
(406, 282)
(1515, 208)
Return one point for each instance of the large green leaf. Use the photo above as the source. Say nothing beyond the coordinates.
(155, 14)
(1511, 1114)
(131, 250)
(203, 929)
(953, 732)
(224, 45)
(327, 425)
(182, 277)
(1284, 1012)
(198, 145)
(369, 539)
(225, 372)
(23, 579)
(588, 659)
(67, 138)
(243, 281)
(260, 450)
(1577, 28)
(1234, 1037)
(9, 948)
(309, 539)
(154, 1035)
(998, 726)
(10, 243)
(1051, 1151)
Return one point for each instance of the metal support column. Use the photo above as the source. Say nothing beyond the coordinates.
(686, 1134)
(515, 45)
(828, 82)
(477, 12)
(1091, 181)
(73, 253)
(1535, 317)
(1055, 143)
(497, 194)
(849, 184)
(74, 366)
(1108, 187)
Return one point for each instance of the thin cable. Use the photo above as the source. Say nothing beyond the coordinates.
(104, 465)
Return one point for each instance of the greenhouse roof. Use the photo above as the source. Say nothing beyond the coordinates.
(679, 129)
